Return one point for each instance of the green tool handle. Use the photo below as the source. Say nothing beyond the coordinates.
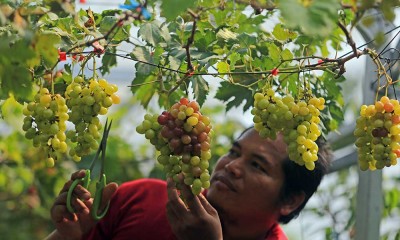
(97, 199)
(85, 181)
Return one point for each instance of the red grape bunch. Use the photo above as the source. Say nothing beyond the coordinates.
(45, 123)
(86, 100)
(377, 134)
(296, 120)
(182, 135)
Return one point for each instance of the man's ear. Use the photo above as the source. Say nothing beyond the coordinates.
(292, 203)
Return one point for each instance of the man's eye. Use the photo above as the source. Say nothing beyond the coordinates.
(258, 166)
(233, 153)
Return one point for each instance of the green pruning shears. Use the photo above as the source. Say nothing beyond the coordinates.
(85, 181)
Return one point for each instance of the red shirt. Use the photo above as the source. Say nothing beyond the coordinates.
(137, 211)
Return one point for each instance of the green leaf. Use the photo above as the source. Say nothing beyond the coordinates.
(200, 89)
(316, 19)
(234, 57)
(226, 34)
(234, 95)
(152, 33)
(204, 41)
(144, 56)
(324, 49)
(387, 8)
(46, 45)
(283, 34)
(274, 52)
(367, 3)
(246, 40)
(223, 67)
(143, 88)
(16, 80)
(286, 54)
(174, 62)
(119, 33)
(20, 52)
(291, 82)
(65, 24)
(172, 8)
(108, 61)
(203, 57)
(165, 101)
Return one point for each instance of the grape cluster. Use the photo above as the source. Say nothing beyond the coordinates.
(86, 100)
(296, 120)
(377, 134)
(182, 135)
(45, 123)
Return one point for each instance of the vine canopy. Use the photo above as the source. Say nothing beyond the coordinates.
(181, 47)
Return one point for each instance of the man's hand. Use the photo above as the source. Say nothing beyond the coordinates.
(74, 225)
(196, 219)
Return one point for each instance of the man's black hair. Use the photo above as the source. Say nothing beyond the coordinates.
(298, 179)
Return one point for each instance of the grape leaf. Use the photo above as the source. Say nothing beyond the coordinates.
(234, 95)
(143, 88)
(274, 52)
(108, 61)
(223, 67)
(200, 89)
(318, 18)
(286, 54)
(247, 40)
(119, 33)
(16, 80)
(153, 33)
(144, 56)
(46, 46)
(172, 8)
(204, 42)
(283, 34)
(165, 101)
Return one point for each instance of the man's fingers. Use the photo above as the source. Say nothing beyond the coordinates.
(60, 212)
(75, 175)
(78, 174)
(77, 203)
(108, 192)
(174, 203)
(206, 205)
(79, 192)
(191, 200)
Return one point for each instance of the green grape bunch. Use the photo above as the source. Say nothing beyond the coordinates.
(296, 120)
(87, 100)
(377, 134)
(182, 136)
(45, 123)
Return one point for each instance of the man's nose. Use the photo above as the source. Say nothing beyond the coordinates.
(235, 167)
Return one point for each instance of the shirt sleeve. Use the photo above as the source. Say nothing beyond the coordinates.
(137, 210)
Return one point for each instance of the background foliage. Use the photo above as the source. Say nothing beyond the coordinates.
(234, 46)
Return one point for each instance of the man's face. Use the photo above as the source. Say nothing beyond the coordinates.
(246, 182)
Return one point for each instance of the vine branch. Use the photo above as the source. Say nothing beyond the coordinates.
(190, 40)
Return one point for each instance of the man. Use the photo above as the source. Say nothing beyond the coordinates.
(253, 188)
